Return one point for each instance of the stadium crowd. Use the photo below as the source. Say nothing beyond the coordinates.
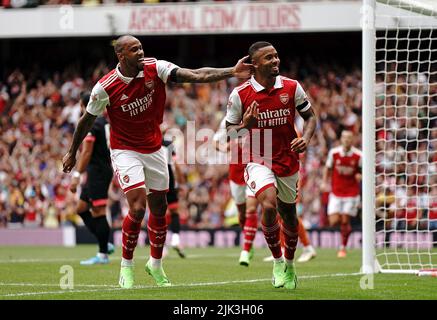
(39, 114)
(406, 159)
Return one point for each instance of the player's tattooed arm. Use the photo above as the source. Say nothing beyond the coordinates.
(301, 144)
(83, 127)
(241, 70)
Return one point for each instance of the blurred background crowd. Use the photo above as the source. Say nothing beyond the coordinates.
(39, 109)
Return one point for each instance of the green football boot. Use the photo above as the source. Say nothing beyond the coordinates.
(278, 280)
(290, 277)
(127, 277)
(158, 274)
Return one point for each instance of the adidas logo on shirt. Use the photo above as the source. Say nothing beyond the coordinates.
(124, 97)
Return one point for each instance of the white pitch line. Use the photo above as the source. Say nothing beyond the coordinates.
(189, 256)
(200, 284)
(38, 260)
(6, 284)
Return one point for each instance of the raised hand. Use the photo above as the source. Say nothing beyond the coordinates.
(250, 116)
(243, 70)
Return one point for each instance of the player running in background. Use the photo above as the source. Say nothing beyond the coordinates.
(244, 199)
(175, 177)
(263, 109)
(344, 164)
(134, 96)
(95, 160)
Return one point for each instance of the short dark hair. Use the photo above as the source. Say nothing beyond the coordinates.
(120, 42)
(256, 46)
(85, 97)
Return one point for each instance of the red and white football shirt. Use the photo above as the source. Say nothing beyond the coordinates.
(271, 138)
(135, 106)
(344, 165)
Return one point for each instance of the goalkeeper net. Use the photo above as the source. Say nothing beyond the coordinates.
(406, 135)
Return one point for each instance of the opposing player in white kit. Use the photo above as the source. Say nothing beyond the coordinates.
(344, 162)
(134, 95)
(264, 108)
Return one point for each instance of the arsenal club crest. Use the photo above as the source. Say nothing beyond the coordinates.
(284, 97)
(126, 179)
(149, 84)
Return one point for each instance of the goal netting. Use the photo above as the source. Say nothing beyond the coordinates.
(405, 93)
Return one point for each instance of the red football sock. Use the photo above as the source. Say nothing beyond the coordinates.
(130, 231)
(345, 230)
(290, 237)
(303, 234)
(272, 234)
(157, 230)
(250, 228)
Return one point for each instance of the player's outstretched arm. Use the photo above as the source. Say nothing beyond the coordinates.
(83, 127)
(301, 144)
(241, 70)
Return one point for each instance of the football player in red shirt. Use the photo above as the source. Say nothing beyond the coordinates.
(262, 110)
(344, 163)
(134, 96)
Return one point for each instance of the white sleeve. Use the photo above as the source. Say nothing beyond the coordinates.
(99, 99)
(301, 99)
(330, 160)
(234, 113)
(164, 69)
(220, 134)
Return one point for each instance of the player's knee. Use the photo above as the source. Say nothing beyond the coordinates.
(158, 206)
(250, 209)
(333, 222)
(138, 208)
(344, 219)
(290, 219)
(269, 207)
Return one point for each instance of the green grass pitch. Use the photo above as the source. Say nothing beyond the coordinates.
(207, 273)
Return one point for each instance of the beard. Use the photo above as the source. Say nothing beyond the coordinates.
(274, 72)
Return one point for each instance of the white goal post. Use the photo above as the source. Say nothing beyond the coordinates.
(399, 219)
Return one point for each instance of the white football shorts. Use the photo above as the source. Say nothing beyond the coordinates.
(240, 192)
(343, 205)
(258, 178)
(138, 170)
